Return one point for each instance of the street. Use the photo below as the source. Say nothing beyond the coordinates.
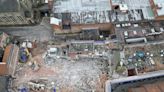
(41, 32)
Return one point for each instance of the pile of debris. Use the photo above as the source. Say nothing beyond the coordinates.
(82, 75)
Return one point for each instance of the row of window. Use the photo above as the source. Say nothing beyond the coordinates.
(12, 19)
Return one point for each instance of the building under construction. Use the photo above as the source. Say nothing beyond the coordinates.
(156, 87)
(150, 82)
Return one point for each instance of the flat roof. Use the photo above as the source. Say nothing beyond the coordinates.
(160, 3)
(134, 81)
(143, 5)
(63, 6)
(4, 83)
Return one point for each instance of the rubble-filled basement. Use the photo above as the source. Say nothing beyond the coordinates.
(48, 69)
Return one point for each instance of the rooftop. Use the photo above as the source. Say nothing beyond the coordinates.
(136, 9)
(8, 5)
(62, 6)
(155, 87)
(160, 5)
(148, 80)
(83, 11)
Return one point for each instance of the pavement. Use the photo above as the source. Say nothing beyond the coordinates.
(41, 32)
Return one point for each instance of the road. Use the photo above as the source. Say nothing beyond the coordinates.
(41, 32)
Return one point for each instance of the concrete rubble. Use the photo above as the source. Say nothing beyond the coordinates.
(93, 41)
(53, 69)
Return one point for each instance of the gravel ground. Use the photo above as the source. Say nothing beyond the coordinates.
(85, 75)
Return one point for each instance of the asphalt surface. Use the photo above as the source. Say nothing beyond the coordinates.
(41, 32)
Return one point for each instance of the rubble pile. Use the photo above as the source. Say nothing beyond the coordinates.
(81, 75)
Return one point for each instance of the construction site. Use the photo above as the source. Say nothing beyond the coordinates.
(77, 66)
(58, 66)
(61, 69)
(86, 46)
